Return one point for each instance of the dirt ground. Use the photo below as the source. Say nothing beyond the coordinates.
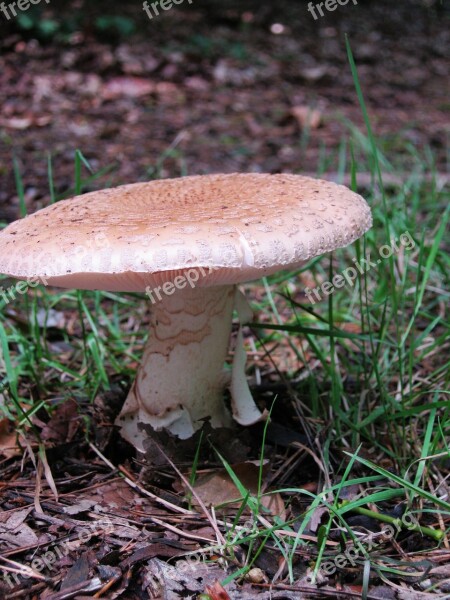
(213, 87)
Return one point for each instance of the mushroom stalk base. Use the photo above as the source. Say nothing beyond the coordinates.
(180, 382)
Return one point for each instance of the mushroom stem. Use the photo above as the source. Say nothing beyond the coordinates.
(180, 382)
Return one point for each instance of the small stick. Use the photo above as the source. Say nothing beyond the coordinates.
(180, 532)
(137, 487)
(220, 537)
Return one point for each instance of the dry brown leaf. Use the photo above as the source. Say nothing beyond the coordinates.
(307, 117)
(316, 517)
(84, 505)
(63, 424)
(314, 73)
(198, 84)
(217, 591)
(217, 488)
(77, 574)
(15, 531)
(129, 87)
(25, 122)
(184, 580)
(8, 445)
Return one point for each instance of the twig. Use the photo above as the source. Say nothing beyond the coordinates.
(180, 532)
(74, 590)
(219, 535)
(107, 586)
(20, 569)
(320, 593)
(28, 592)
(137, 487)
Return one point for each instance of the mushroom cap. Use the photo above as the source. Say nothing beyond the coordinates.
(236, 227)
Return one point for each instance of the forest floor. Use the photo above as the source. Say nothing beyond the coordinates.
(358, 442)
(213, 89)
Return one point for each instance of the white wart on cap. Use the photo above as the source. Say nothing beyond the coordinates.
(226, 228)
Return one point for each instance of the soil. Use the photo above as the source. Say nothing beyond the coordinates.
(216, 87)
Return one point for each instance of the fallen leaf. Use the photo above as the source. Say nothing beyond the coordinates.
(8, 446)
(83, 505)
(187, 579)
(217, 592)
(16, 122)
(25, 122)
(15, 531)
(197, 83)
(314, 73)
(218, 488)
(307, 117)
(63, 424)
(77, 574)
(316, 518)
(129, 87)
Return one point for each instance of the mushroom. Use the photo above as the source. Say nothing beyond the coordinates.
(187, 243)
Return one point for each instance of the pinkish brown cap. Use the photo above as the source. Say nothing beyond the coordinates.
(239, 227)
